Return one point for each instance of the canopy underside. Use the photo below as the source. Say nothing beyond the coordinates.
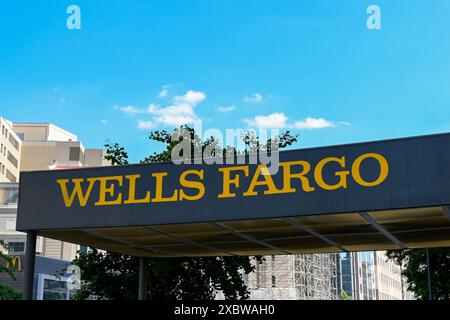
(381, 230)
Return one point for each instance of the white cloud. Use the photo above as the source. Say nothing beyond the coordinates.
(279, 120)
(146, 124)
(191, 98)
(313, 123)
(130, 110)
(180, 112)
(173, 116)
(164, 91)
(152, 108)
(253, 98)
(276, 120)
(226, 108)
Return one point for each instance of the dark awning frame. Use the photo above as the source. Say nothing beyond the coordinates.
(398, 175)
(389, 194)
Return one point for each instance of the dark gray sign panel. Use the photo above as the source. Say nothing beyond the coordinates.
(391, 174)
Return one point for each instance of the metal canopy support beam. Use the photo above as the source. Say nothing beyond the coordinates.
(187, 241)
(142, 294)
(447, 211)
(30, 258)
(430, 290)
(420, 230)
(380, 228)
(128, 243)
(249, 238)
(307, 229)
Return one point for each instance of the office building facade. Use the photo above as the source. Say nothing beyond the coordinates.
(364, 275)
(10, 146)
(46, 146)
(52, 281)
(370, 276)
(294, 277)
(37, 146)
(16, 241)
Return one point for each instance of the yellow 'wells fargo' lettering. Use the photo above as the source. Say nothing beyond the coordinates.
(227, 180)
(384, 169)
(235, 181)
(159, 189)
(341, 174)
(107, 189)
(77, 191)
(262, 171)
(132, 190)
(288, 176)
(192, 185)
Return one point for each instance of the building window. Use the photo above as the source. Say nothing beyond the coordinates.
(13, 160)
(74, 154)
(14, 142)
(10, 176)
(16, 247)
(53, 288)
(10, 224)
(273, 272)
(9, 195)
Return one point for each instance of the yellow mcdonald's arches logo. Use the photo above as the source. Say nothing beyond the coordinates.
(15, 265)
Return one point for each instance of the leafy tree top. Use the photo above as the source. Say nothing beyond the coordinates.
(115, 276)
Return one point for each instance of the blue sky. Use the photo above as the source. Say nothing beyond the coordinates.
(229, 63)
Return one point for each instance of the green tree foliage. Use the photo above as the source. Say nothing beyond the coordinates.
(4, 259)
(116, 154)
(345, 296)
(414, 269)
(115, 276)
(6, 293)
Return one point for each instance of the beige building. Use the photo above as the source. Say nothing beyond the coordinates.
(294, 277)
(362, 275)
(37, 146)
(46, 146)
(273, 279)
(389, 282)
(369, 275)
(10, 146)
(9, 194)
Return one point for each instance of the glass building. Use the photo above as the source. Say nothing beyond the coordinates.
(356, 275)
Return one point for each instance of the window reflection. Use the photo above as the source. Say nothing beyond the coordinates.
(9, 194)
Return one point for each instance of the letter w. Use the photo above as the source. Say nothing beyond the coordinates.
(77, 191)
